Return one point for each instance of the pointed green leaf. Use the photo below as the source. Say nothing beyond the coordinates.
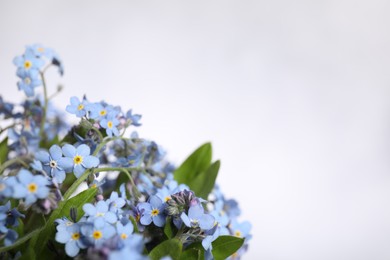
(204, 181)
(197, 162)
(192, 254)
(225, 246)
(168, 229)
(3, 150)
(171, 247)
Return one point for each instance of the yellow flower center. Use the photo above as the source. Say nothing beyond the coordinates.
(27, 64)
(27, 81)
(167, 198)
(109, 124)
(237, 233)
(32, 187)
(78, 159)
(41, 49)
(103, 112)
(155, 212)
(81, 106)
(93, 185)
(123, 236)
(97, 234)
(2, 186)
(75, 236)
(69, 223)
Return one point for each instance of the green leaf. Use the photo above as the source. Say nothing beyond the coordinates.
(192, 254)
(168, 229)
(204, 181)
(197, 162)
(3, 150)
(171, 247)
(20, 241)
(225, 246)
(63, 210)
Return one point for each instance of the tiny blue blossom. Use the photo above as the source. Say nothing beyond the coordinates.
(81, 157)
(27, 61)
(54, 163)
(133, 119)
(152, 211)
(197, 218)
(98, 232)
(100, 210)
(30, 187)
(77, 107)
(71, 237)
(30, 79)
(110, 124)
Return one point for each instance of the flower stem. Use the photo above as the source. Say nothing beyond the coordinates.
(41, 130)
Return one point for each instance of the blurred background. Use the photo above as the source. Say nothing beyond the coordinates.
(293, 95)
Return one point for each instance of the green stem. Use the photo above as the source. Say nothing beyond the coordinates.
(98, 132)
(41, 130)
(13, 161)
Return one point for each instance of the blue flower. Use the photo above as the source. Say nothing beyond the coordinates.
(110, 123)
(6, 108)
(54, 163)
(197, 218)
(81, 157)
(27, 61)
(240, 229)
(210, 236)
(152, 211)
(125, 232)
(133, 119)
(99, 111)
(10, 237)
(101, 210)
(40, 51)
(71, 237)
(115, 202)
(98, 232)
(77, 107)
(30, 79)
(7, 186)
(30, 187)
(132, 250)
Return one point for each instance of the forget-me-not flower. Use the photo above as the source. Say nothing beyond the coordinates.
(101, 210)
(110, 124)
(152, 211)
(71, 237)
(81, 157)
(54, 163)
(30, 187)
(77, 107)
(197, 218)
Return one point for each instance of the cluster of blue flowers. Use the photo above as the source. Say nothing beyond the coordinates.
(132, 202)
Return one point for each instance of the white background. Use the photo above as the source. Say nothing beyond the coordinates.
(294, 96)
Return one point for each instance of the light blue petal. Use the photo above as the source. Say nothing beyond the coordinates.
(55, 152)
(206, 222)
(74, 101)
(101, 206)
(71, 248)
(155, 201)
(42, 192)
(20, 191)
(90, 161)
(24, 176)
(65, 163)
(78, 170)
(110, 217)
(146, 219)
(83, 150)
(62, 236)
(58, 175)
(159, 220)
(43, 156)
(89, 209)
(185, 219)
(69, 150)
(195, 212)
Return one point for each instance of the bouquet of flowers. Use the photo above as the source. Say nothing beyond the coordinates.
(95, 191)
